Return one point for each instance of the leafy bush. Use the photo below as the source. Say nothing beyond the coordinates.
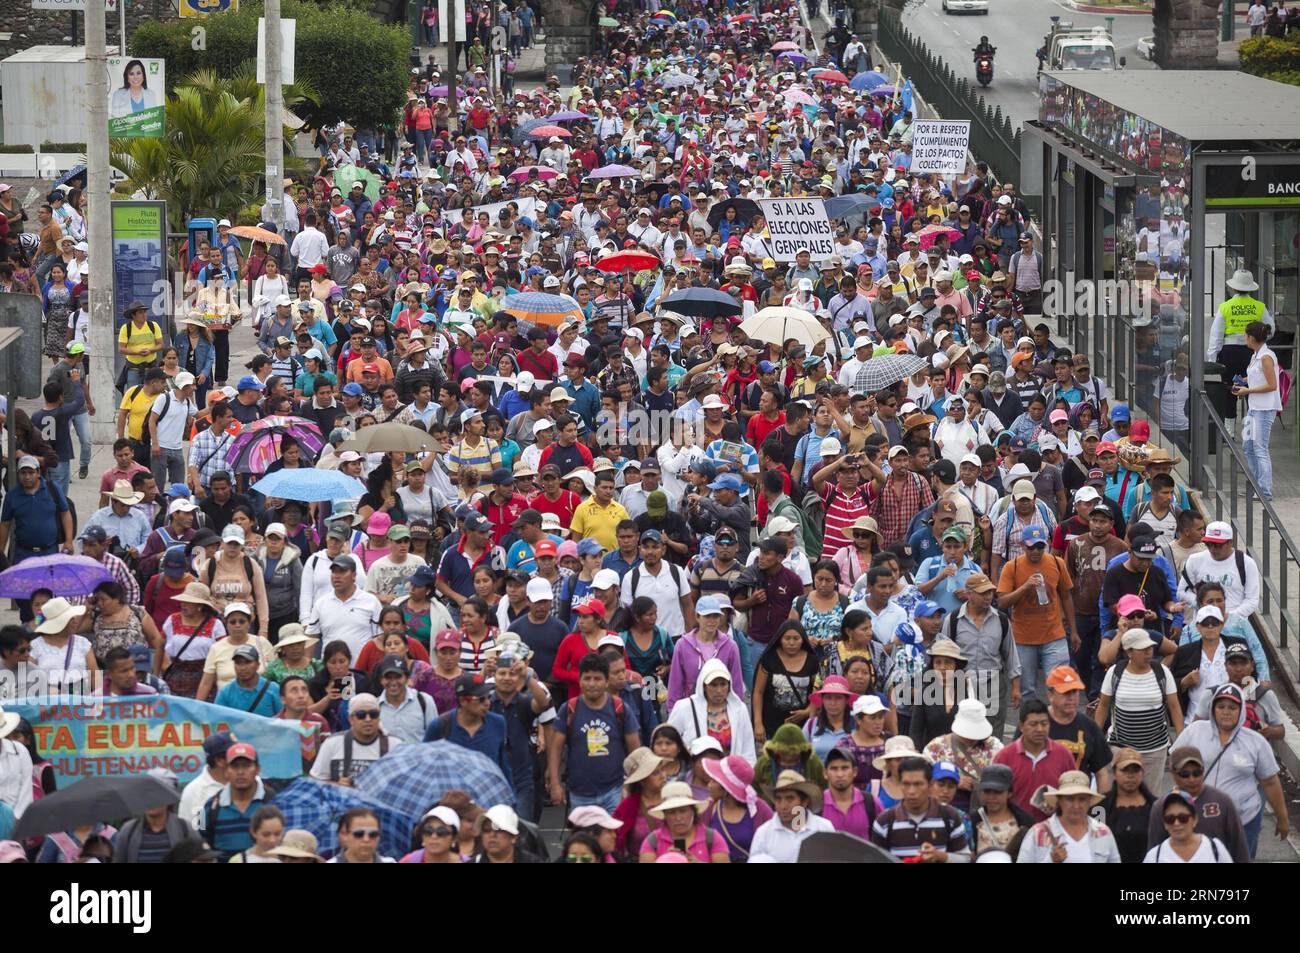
(1291, 77)
(368, 93)
(18, 149)
(63, 147)
(1267, 55)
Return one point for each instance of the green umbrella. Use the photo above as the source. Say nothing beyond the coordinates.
(607, 21)
(345, 175)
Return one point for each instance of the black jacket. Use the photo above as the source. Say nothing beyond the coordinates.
(1188, 659)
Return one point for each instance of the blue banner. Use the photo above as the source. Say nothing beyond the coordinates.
(113, 737)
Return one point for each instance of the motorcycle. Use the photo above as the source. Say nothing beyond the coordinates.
(984, 69)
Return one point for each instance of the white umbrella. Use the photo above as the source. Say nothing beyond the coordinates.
(777, 324)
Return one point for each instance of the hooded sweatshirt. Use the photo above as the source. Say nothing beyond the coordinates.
(1235, 768)
(788, 739)
(690, 716)
(283, 581)
(689, 657)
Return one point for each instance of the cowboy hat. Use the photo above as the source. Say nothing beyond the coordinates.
(794, 781)
(639, 765)
(1242, 280)
(56, 614)
(918, 420)
(293, 633)
(1162, 456)
(197, 594)
(1071, 783)
(679, 794)
(123, 493)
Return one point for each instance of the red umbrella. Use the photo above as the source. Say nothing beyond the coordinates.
(931, 233)
(831, 76)
(545, 132)
(629, 261)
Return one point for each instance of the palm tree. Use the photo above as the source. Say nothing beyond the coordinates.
(211, 158)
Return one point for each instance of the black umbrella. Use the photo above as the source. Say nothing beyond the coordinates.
(834, 847)
(93, 800)
(702, 303)
(746, 209)
(520, 136)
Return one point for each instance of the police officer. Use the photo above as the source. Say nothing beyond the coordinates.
(1227, 338)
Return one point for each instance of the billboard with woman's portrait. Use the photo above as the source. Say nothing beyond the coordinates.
(137, 97)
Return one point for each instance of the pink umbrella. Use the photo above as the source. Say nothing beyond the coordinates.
(831, 76)
(523, 173)
(784, 45)
(545, 132)
(799, 97)
(930, 234)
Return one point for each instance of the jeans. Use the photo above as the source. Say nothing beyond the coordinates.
(609, 800)
(1034, 657)
(168, 467)
(749, 653)
(62, 476)
(43, 267)
(1085, 660)
(526, 802)
(1252, 831)
(1259, 427)
(423, 141)
(81, 423)
(135, 374)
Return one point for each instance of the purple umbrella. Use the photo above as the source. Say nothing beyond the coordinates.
(258, 445)
(62, 575)
(884, 91)
(793, 56)
(569, 116)
(442, 91)
(612, 172)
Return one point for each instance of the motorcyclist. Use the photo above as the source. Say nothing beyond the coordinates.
(984, 49)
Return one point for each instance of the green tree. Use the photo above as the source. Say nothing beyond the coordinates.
(212, 158)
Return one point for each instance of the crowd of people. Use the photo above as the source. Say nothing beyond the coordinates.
(706, 592)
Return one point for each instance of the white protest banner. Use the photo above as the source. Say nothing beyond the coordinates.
(526, 209)
(798, 223)
(939, 146)
(288, 43)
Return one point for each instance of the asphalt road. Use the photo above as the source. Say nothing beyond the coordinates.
(1016, 28)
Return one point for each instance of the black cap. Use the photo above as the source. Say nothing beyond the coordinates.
(1145, 547)
(390, 663)
(527, 517)
(472, 685)
(945, 470)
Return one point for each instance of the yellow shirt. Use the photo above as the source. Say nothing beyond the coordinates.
(133, 337)
(221, 662)
(137, 402)
(593, 521)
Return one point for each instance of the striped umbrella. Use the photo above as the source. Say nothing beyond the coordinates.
(258, 444)
(541, 308)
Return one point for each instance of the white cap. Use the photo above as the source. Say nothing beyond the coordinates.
(705, 743)
(863, 341)
(1023, 490)
(604, 579)
(1048, 442)
(224, 222)
(444, 814)
(277, 529)
(867, 705)
(1018, 472)
(780, 524)
(524, 381)
(805, 284)
(184, 379)
(972, 459)
(712, 402)
(233, 533)
(503, 818)
(359, 287)
(1004, 200)
(544, 424)
(943, 275)
(1218, 532)
(238, 607)
(1209, 612)
(348, 456)
(181, 505)
(1086, 494)
(830, 447)
(539, 590)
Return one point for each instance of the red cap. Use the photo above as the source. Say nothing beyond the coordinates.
(974, 275)
(1140, 431)
(545, 547)
(318, 269)
(241, 749)
(370, 369)
(1107, 446)
(590, 607)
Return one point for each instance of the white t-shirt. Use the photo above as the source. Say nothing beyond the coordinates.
(661, 588)
(1076, 851)
(328, 765)
(1162, 853)
(51, 658)
(1173, 402)
(171, 427)
(79, 324)
(389, 578)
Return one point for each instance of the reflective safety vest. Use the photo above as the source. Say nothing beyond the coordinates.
(1238, 311)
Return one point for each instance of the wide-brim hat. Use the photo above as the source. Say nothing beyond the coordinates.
(971, 721)
(293, 633)
(733, 773)
(899, 747)
(794, 781)
(639, 765)
(1070, 783)
(834, 685)
(56, 614)
(1242, 280)
(8, 722)
(679, 794)
(196, 593)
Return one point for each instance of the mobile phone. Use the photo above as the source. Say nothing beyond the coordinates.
(338, 683)
(679, 843)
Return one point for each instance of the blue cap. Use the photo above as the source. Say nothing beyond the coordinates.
(926, 608)
(250, 383)
(534, 271)
(945, 771)
(428, 317)
(501, 476)
(424, 576)
(1033, 536)
(887, 203)
(178, 489)
(589, 547)
(527, 221)
(708, 606)
(728, 481)
(812, 360)
(353, 389)
(1018, 444)
(652, 536)
(142, 656)
(1120, 412)
(766, 367)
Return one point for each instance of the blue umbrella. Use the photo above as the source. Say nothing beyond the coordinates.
(540, 307)
(76, 172)
(700, 23)
(867, 79)
(62, 575)
(843, 205)
(307, 485)
(412, 778)
(316, 806)
(793, 56)
(520, 135)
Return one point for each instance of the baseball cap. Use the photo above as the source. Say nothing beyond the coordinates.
(926, 608)
(539, 590)
(1130, 604)
(1023, 490)
(249, 382)
(1218, 532)
(1064, 679)
(945, 771)
(391, 664)
(246, 652)
(604, 579)
(996, 777)
(241, 749)
(1034, 536)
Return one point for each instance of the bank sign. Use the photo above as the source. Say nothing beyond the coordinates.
(1252, 185)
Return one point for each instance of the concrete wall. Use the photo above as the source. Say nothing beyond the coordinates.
(568, 26)
(30, 27)
(1187, 34)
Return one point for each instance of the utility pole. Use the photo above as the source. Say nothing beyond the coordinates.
(99, 228)
(121, 27)
(453, 78)
(274, 117)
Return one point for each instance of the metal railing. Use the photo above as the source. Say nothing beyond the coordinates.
(1230, 493)
(993, 138)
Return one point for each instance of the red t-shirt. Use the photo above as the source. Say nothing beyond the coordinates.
(372, 654)
(563, 507)
(759, 427)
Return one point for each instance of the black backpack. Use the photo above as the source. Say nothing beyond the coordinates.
(146, 441)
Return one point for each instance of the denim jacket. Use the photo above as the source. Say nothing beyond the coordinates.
(205, 354)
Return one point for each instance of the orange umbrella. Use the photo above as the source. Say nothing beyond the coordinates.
(253, 233)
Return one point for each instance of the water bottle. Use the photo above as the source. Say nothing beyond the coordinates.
(1043, 597)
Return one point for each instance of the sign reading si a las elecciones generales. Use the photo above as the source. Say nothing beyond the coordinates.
(939, 146)
(798, 223)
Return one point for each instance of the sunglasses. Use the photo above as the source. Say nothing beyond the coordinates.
(431, 831)
(1178, 818)
(363, 715)
(1187, 775)
(365, 833)
(1132, 616)
(1211, 623)
(579, 859)
(863, 534)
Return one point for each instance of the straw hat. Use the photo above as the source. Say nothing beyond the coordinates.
(8, 722)
(56, 614)
(867, 524)
(898, 748)
(293, 633)
(198, 594)
(679, 794)
(123, 493)
(1071, 783)
(794, 781)
(639, 765)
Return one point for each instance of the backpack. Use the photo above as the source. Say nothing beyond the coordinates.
(1157, 666)
(146, 441)
(211, 570)
(1043, 512)
(619, 714)
(346, 771)
(672, 567)
(1241, 570)
(950, 628)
